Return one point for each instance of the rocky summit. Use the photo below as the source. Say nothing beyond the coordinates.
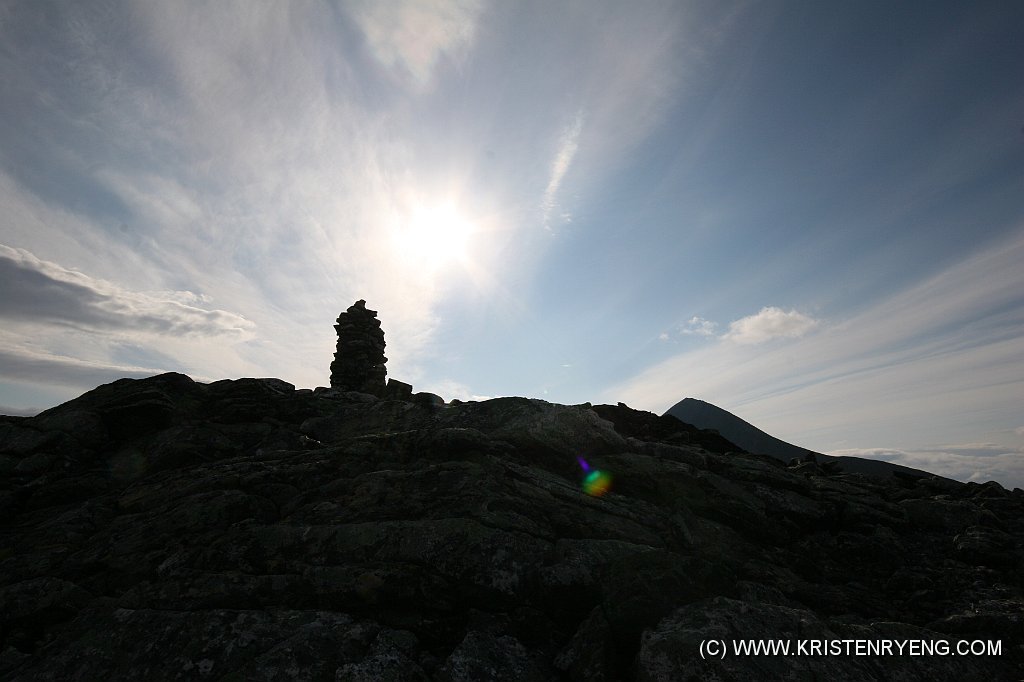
(163, 529)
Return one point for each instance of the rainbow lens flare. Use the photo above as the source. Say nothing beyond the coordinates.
(596, 483)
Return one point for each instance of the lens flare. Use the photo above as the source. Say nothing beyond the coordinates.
(595, 481)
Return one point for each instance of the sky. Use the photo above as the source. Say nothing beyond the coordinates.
(809, 214)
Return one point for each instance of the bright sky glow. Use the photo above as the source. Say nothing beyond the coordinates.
(433, 235)
(806, 213)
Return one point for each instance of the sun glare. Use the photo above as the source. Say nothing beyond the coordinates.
(434, 235)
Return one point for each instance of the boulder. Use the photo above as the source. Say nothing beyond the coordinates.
(398, 390)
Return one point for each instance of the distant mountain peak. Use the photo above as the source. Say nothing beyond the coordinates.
(705, 415)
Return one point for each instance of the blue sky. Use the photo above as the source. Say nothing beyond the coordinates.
(807, 213)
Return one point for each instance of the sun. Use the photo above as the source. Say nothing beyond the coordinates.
(434, 235)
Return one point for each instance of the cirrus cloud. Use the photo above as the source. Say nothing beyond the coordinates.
(567, 147)
(410, 37)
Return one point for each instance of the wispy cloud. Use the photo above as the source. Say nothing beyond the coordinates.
(39, 367)
(42, 291)
(568, 144)
(636, 66)
(65, 328)
(409, 37)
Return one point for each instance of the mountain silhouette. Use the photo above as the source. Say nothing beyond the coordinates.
(704, 415)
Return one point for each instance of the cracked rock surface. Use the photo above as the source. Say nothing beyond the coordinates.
(244, 530)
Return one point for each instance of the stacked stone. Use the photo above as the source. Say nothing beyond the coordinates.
(359, 361)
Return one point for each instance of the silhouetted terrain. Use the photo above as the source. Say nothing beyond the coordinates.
(244, 530)
(752, 439)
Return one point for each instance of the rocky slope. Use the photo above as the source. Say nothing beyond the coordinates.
(244, 530)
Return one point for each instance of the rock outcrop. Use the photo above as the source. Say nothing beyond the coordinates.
(245, 530)
(359, 360)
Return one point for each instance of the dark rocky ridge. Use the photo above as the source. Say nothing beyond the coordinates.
(245, 530)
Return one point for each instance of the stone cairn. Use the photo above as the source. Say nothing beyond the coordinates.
(359, 361)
